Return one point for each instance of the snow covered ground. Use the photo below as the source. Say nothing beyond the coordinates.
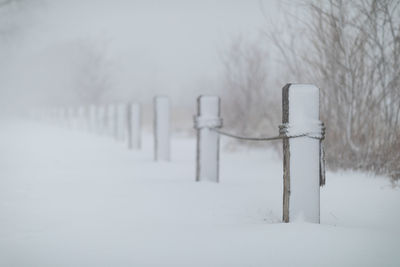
(70, 198)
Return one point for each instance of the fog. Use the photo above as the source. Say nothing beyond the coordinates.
(52, 52)
(109, 157)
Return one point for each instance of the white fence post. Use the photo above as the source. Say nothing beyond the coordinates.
(112, 120)
(109, 119)
(92, 118)
(97, 119)
(161, 128)
(81, 118)
(301, 155)
(105, 120)
(101, 119)
(121, 122)
(134, 125)
(207, 156)
(74, 111)
(64, 117)
(86, 118)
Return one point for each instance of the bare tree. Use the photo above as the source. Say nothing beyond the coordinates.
(250, 105)
(7, 7)
(7, 2)
(352, 53)
(91, 78)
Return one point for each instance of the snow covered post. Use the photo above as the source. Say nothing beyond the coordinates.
(301, 155)
(121, 121)
(207, 155)
(72, 117)
(161, 128)
(86, 118)
(113, 120)
(101, 118)
(92, 118)
(134, 125)
(105, 120)
(81, 118)
(96, 119)
(64, 117)
(108, 119)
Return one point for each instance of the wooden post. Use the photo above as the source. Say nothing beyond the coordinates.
(106, 118)
(86, 118)
(64, 117)
(301, 155)
(110, 119)
(121, 122)
(73, 117)
(134, 125)
(161, 128)
(207, 156)
(113, 119)
(101, 117)
(92, 118)
(81, 118)
(97, 118)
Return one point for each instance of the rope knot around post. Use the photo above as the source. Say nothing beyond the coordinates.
(312, 129)
(201, 122)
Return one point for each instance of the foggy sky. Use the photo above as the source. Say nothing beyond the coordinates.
(150, 47)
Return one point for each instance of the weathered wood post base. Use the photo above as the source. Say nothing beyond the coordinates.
(134, 124)
(161, 128)
(301, 155)
(207, 156)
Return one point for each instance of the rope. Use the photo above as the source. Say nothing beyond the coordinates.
(315, 130)
(284, 133)
(246, 138)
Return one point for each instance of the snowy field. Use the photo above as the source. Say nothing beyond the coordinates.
(70, 198)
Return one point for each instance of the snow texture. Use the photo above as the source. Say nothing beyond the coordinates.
(69, 198)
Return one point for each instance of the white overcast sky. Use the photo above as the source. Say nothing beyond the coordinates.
(154, 46)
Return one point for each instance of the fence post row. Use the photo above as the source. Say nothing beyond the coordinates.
(161, 128)
(207, 154)
(301, 132)
(134, 125)
(301, 156)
